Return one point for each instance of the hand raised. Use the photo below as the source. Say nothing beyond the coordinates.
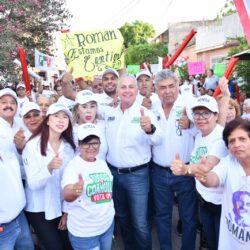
(56, 163)
(145, 121)
(177, 166)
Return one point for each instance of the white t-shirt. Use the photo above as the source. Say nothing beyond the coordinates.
(92, 213)
(235, 215)
(104, 146)
(11, 192)
(213, 145)
(43, 190)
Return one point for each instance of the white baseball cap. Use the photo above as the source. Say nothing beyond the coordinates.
(85, 96)
(206, 101)
(143, 72)
(8, 91)
(110, 70)
(20, 85)
(28, 106)
(46, 83)
(86, 130)
(56, 107)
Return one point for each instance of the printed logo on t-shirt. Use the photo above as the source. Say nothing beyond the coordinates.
(100, 190)
(238, 222)
(135, 120)
(200, 151)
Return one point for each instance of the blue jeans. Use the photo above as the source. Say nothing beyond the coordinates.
(16, 234)
(99, 242)
(130, 194)
(164, 185)
(210, 219)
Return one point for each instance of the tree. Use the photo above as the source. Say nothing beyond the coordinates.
(242, 67)
(227, 9)
(28, 24)
(137, 32)
(141, 53)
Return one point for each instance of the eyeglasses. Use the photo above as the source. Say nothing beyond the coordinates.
(31, 116)
(204, 115)
(90, 144)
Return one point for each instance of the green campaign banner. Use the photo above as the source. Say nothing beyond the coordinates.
(219, 69)
(133, 69)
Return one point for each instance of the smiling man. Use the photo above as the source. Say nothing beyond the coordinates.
(14, 229)
(130, 132)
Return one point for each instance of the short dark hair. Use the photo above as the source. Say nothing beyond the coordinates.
(234, 124)
(88, 139)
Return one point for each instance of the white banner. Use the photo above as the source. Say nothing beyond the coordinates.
(44, 62)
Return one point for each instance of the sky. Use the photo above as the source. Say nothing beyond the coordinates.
(99, 14)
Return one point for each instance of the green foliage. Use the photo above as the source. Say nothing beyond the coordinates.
(242, 67)
(228, 9)
(137, 32)
(28, 24)
(141, 53)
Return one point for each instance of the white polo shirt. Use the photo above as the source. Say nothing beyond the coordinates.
(175, 140)
(128, 144)
(43, 189)
(11, 192)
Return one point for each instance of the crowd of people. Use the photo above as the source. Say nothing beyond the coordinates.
(76, 160)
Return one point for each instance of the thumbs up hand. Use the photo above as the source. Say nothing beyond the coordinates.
(145, 122)
(177, 166)
(78, 186)
(56, 163)
(19, 139)
(202, 170)
(184, 121)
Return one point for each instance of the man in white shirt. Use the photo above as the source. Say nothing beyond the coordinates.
(109, 81)
(21, 97)
(130, 131)
(177, 138)
(14, 230)
(146, 97)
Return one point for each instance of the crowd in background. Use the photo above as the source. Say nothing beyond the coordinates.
(76, 154)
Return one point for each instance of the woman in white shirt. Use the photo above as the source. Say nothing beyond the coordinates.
(85, 111)
(209, 144)
(233, 174)
(87, 183)
(45, 155)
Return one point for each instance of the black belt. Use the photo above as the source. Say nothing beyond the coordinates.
(167, 168)
(128, 170)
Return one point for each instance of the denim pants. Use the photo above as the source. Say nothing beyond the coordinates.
(130, 194)
(210, 219)
(16, 234)
(99, 242)
(164, 185)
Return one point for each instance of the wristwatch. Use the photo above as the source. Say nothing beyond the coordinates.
(153, 128)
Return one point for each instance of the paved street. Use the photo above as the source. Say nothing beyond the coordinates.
(117, 245)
